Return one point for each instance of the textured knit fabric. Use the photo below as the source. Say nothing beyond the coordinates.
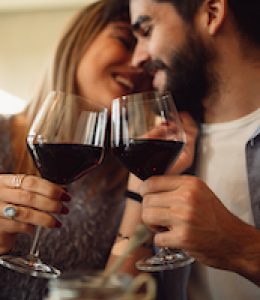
(85, 238)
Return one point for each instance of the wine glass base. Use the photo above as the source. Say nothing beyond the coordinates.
(28, 266)
(168, 262)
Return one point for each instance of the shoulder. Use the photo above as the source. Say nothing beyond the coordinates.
(5, 129)
(4, 121)
(5, 143)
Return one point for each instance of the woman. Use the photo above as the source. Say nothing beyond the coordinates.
(92, 60)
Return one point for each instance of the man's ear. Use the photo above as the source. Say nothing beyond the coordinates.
(213, 13)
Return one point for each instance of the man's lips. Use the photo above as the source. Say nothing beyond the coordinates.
(128, 78)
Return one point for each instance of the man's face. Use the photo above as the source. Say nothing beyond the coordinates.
(173, 51)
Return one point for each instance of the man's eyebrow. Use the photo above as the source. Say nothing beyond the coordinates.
(141, 19)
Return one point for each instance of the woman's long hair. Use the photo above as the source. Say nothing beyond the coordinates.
(61, 74)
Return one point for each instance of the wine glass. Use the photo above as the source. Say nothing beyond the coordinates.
(66, 140)
(147, 137)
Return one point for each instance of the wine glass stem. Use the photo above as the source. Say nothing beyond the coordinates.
(34, 251)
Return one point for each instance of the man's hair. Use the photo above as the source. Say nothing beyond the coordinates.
(186, 8)
(246, 15)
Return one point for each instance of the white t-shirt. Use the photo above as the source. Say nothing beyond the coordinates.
(223, 144)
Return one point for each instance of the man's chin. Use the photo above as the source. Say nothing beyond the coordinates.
(159, 81)
(160, 90)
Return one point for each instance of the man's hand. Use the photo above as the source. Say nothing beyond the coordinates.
(200, 224)
(187, 154)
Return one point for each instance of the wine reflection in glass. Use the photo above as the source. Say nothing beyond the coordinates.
(66, 140)
(147, 136)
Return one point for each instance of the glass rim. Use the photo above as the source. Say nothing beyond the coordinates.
(88, 100)
(132, 97)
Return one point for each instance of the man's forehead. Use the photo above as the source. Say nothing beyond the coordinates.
(139, 8)
(145, 10)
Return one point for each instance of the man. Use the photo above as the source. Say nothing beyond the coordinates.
(207, 52)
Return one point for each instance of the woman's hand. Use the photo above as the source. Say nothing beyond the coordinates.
(34, 200)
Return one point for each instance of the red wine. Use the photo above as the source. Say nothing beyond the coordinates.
(64, 163)
(147, 157)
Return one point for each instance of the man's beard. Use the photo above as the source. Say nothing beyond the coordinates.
(188, 77)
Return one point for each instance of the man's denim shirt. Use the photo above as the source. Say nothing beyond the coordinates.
(253, 170)
(173, 284)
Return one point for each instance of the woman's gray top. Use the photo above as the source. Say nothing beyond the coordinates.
(85, 238)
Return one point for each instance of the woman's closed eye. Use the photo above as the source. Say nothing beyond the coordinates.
(128, 42)
(124, 34)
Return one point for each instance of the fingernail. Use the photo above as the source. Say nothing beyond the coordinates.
(65, 197)
(165, 123)
(58, 224)
(64, 210)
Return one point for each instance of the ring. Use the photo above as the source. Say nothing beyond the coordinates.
(9, 212)
(17, 181)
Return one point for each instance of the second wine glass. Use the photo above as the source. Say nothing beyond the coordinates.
(66, 140)
(147, 136)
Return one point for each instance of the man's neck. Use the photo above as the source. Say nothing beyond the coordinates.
(238, 92)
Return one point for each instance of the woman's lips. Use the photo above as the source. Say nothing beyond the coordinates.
(124, 81)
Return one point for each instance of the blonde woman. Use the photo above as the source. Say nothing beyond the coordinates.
(93, 59)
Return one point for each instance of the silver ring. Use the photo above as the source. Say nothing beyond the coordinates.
(9, 212)
(17, 181)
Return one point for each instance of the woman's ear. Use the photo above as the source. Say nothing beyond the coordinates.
(213, 13)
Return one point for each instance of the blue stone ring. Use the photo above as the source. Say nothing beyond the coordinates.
(9, 212)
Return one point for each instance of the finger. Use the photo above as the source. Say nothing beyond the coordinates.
(37, 185)
(160, 199)
(161, 131)
(30, 199)
(187, 120)
(163, 183)
(12, 227)
(167, 212)
(191, 131)
(169, 239)
(190, 127)
(177, 238)
(154, 217)
(31, 216)
(184, 160)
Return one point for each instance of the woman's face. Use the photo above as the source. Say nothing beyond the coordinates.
(105, 71)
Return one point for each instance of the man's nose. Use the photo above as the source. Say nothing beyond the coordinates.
(140, 55)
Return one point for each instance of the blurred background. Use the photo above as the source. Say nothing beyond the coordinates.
(29, 30)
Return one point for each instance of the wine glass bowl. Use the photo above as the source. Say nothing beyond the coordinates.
(147, 137)
(66, 130)
(66, 140)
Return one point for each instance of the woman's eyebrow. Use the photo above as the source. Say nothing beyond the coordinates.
(127, 28)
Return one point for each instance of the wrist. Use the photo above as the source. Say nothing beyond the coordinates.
(133, 195)
(247, 262)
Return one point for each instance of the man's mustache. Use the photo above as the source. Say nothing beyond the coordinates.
(151, 67)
